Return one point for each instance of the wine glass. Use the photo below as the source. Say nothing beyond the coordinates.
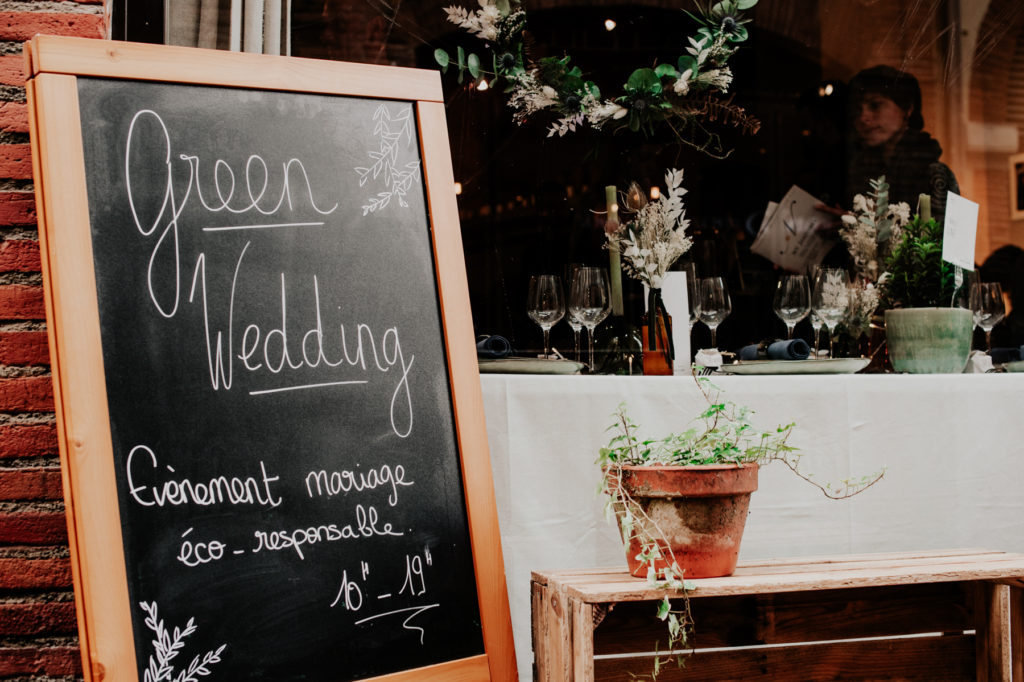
(792, 300)
(590, 301)
(546, 304)
(830, 299)
(988, 307)
(575, 323)
(713, 303)
(816, 324)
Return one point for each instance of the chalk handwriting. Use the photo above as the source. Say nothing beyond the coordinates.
(350, 592)
(415, 611)
(148, 138)
(195, 553)
(274, 349)
(320, 483)
(178, 492)
(281, 347)
(367, 525)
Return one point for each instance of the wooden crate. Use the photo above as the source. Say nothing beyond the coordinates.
(953, 615)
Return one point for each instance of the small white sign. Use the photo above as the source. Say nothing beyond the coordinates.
(959, 231)
(794, 234)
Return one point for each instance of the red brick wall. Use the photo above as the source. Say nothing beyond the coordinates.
(38, 633)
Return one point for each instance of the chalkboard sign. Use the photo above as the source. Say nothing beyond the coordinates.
(271, 430)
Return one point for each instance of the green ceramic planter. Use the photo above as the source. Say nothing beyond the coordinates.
(929, 340)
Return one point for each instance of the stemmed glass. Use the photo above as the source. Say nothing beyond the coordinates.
(575, 323)
(590, 301)
(816, 325)
(830, 299)
(792, 300)
(546, 304)
(713, 303)
(692, 299)
(988, 307)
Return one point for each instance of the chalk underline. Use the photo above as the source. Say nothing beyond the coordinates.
(300, 388)
(259, 227)
(391, 613)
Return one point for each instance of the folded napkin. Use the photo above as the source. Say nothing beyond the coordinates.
(1001, 356)
(493, 347)
(793, 349)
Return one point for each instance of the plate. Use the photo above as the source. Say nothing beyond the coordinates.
(528, 366)
(1015, 366)
(823, 366)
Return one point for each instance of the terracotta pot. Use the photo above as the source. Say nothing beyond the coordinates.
(701, 510)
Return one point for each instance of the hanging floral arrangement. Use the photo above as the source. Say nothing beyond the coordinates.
(683, 96)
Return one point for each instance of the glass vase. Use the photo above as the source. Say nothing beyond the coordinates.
(657, 353)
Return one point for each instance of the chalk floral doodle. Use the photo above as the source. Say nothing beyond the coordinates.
(390, 130)
(168, 644)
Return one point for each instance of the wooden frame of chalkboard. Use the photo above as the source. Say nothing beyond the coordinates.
(83, 309)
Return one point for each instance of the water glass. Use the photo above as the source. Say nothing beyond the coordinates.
(988, 308)
(590, 301)
(792, 300)
(575, 323)
(546, 304)
(713, 303)
(830, 299)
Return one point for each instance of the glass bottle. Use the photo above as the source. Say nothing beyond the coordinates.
(659, 359)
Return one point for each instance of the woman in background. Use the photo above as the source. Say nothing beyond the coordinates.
(890, 140)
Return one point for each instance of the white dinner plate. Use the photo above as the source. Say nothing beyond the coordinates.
(1015, 366)
(528, 366)
(822, 366)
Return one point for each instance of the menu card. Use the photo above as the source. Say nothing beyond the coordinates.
(792, 234)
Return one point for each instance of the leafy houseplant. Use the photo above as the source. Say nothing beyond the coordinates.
(926, 333)
(681, 502)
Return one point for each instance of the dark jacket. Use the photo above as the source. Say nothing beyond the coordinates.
(913, 169)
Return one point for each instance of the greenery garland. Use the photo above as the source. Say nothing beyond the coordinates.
(681, 96)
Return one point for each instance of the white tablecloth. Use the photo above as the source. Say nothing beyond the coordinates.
(952, 447)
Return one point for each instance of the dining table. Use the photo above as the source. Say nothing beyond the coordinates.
(951, 447)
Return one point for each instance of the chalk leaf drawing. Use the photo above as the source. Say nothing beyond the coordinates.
(168, 644)
(389, 129)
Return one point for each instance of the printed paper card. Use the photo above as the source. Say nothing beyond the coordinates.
(793, 235)
(960, 231)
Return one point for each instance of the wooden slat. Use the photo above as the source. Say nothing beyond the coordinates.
(467, 398)
(1017, 632)
(472, 669)
(946, 658)
(992, 611)
(117, 59)
(86, 450)
(616, 587)
(796, 617)
(820, 562)
(582, 642)
(552, 638)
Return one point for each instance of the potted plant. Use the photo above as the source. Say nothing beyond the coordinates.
(681, 502)
(926, 332)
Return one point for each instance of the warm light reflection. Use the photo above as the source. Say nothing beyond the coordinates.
(609, 24)
(458, 188)
(482, 85)
(655, 193)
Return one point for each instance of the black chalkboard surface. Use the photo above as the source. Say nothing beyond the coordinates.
(282, 428)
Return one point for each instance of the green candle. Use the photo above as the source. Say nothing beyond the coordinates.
(924, 203)
(614, 266)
